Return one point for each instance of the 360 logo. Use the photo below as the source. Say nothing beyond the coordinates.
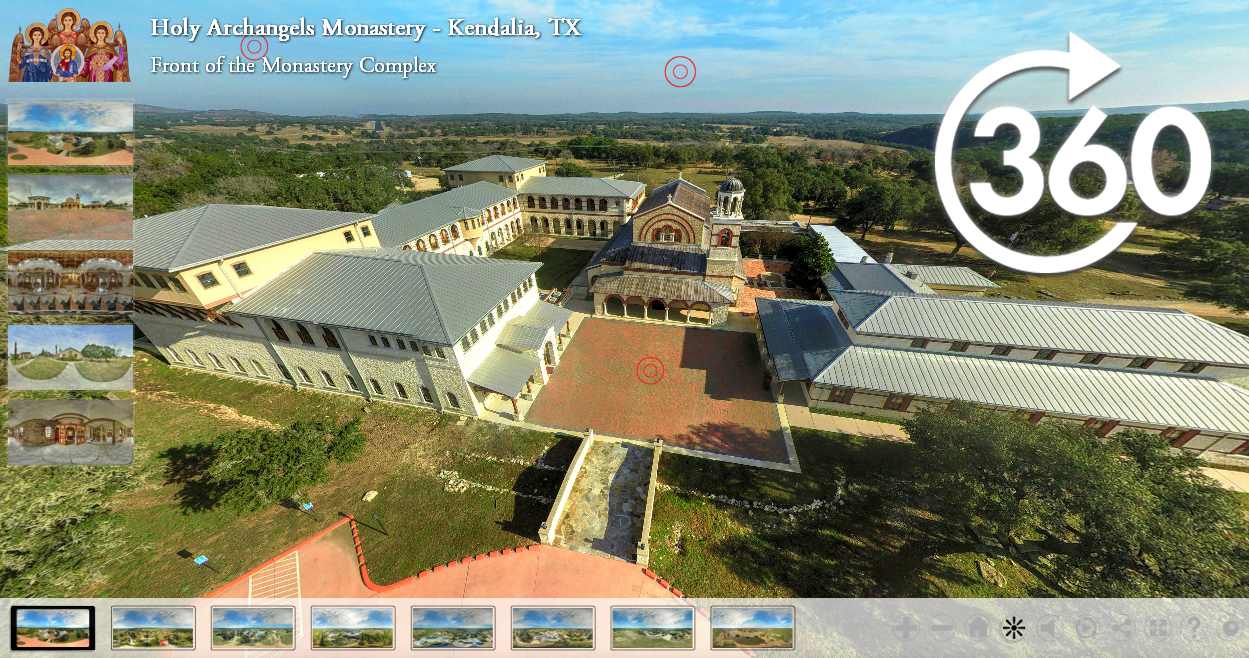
(1086, 67)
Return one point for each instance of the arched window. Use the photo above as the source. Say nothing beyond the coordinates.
(279, 332)
(602, 205)
(726, 238)
(426, 395)
(580, 226)
(542, 202)
(445, 238)
(351, 382)
(451, 400)
(565, 203)
(533, 221)
(496, 213)
(433, 241)
(602, 226)
(329, 381)
(403, 392)
(576, 204)
(328, 336)
(238, 365)
(546, 224)
(304, 336)
(568, 224)
(420, 245)
(260, 370)
(303, 374)
(455, 231)
(377, 387)
(530, 201)
(408, 247)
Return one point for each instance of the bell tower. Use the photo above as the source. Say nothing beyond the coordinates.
(729, 199)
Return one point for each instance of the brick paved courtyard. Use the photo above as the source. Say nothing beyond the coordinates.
(711, 395)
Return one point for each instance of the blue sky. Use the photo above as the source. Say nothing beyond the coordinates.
(153, 618)
(452, 617)
(36, 337)
(253, 617)
(119, 189)
(82, 116)
(55, 618)
(552, 617)
(354, 618)
(652, 618)
(752, 618)
(905, 56)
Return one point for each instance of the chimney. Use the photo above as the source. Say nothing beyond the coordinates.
(863, 259)
(889, 258)
(912, 274)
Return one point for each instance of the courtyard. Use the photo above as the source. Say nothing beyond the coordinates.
(693, 388)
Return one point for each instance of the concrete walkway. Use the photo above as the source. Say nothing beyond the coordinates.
(802, 417)
(69, 380)
(582, 245)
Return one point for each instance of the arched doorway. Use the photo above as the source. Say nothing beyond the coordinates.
(656, 310)
(635, 308)
(614, 306)
(679, 312)
(700, 313)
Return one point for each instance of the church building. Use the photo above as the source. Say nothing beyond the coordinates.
(677, 261)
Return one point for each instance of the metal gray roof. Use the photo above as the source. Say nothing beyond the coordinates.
(943, 275)
(1164, 400)
(528, 332)
(398, 225)
(872, 276)
(654, 257)
(492, 163)
(73, 245)
(427, 295)
(662, 287)
(682, 194)
(1125, 331)
(596, 187)
(504, 372)
(802, 338)
(616, 251)
(845, 250)
(185, 238)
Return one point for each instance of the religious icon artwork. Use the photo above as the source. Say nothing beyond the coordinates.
(69, 48)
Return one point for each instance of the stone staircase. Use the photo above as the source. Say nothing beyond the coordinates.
(606, 506)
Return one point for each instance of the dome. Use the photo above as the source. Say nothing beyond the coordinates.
(732, 185)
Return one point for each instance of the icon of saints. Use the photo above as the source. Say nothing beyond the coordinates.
(31, 60)
(96, 52)
(106, 56)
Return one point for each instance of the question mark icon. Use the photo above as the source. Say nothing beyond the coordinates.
(1194, 623)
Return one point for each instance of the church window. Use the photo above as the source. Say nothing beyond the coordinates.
(403, 392)
(426, 395)
(207, 280)
(420, 245)
(329, 381)
(455, 231)
(241, 269)
(445, 238)
(349, 236)
(451, 400)
(330, 341)
(303, 374)
(433, 241)
(377, 387)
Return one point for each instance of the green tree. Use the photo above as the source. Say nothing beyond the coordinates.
(94, 351)
(883, 203)
(767, 193)
(572, 170)
(814, 260)
(1122, 516)
(256, 467)
(1216, 251)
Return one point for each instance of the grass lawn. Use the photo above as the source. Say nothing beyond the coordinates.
(103, 372)
(177, 411)
(880, 542)
(42, 368)
(559, 266)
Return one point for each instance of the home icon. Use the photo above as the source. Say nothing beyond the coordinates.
(978, 627)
